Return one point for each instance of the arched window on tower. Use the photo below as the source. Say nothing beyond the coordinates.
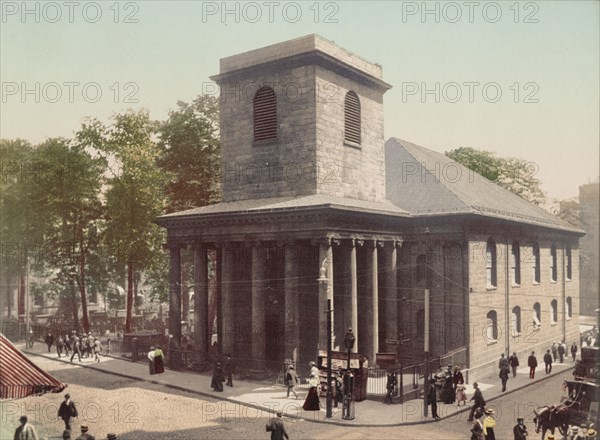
(515, 262)
(265, 114)
(492, 326)
(554, 311)
(490, 264)
(569, 307)
(553, 264)
(352, 125)
(515, 322)
(536, 264)
(537, 315)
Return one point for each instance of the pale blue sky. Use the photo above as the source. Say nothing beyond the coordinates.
(172, 49)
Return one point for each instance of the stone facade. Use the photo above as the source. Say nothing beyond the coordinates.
(589, 212)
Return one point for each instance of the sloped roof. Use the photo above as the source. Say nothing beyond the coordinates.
(425, 182)
(19, 377)
(291, 203)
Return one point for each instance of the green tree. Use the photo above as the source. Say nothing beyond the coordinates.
(135, 194)
(189, 154)
(568, 210)
(515, 175)
(67, 196)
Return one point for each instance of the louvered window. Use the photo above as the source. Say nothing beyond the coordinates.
(352, 118)
(265, 114)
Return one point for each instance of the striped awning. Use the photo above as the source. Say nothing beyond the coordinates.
(19, 377)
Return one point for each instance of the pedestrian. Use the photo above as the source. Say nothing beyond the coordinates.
(461, 395)
(97, 349)
(31, 338)
(84, 434)
(159, 361)
(25, 431)
(573, 351)
(489, 424)
(520, 430)
(562, 349)
(554, 349)
(60, 344)
(477, 426)
(76, 348)
(591, 434)
(67, 411)
(339, 388)
(313, 369)
(49, 341)
(503, 362)
(548, 362)
(457, 377)
(513, 361)
(478, 401)
(312, 403)
(432, 399)
(66, 435)
(229, 367)
(503, 377)
(390, 386)
(67, 345)
(276, 427)
(217, 378)
(151, 360)
(291, 379)
(532, 364)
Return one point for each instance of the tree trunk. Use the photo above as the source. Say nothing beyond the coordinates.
(84, 309)
(129, 296)
(74, 304)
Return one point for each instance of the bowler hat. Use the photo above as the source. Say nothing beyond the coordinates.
(520, 419)
(111, 436)
(84, 428)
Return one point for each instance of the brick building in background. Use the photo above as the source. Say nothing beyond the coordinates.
(589, 212)
(308, 181)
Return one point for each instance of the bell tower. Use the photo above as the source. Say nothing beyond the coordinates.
(298, 118)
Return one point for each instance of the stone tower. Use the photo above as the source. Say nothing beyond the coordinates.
(300, 118)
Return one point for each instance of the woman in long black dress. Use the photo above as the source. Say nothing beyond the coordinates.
(159, 361)
(217, 378)
(312, 399)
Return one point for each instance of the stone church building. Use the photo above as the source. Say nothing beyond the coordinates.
(309, 181)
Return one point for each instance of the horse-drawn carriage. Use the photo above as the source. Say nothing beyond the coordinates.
(579, 408)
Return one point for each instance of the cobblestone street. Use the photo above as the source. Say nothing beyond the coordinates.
(135, 409)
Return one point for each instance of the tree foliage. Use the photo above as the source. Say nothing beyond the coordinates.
(515, 175)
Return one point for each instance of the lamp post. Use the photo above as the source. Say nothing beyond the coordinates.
(325, 289)
(347, 413)
(426, 328)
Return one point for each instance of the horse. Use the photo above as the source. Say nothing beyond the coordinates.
(552, 417)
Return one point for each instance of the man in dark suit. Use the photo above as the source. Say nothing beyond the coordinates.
(277, 429)
(520, 430)
(479, 401)
(432, 399)
(67, 411)
(84, 434)
(532, 363)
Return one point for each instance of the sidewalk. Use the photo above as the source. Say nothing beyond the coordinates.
(273, 398)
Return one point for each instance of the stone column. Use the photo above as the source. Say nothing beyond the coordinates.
(374, 306)
(227, 292)
(291, 302)
(201, 325)
(391, 292)
(259, 286)
(353, 293)
(175, 293)
(325, 257)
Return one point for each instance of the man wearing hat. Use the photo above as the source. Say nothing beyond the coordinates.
(432, 399)
(591, 434)
(25, 431)
(575, 434)
(276, 427)
(84, 435)
(520, 430)
(291, 379)
(479, 401)
(67, 411)
(477, 427)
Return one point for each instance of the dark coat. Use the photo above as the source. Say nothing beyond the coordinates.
(520, 432)
(513, 361)
(67, 411)
(478, 398)
(503, 373)
(277, 429)
(532, 361)
(548, 358)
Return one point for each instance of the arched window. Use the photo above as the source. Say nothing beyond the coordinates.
(352, 118)
(569, 262)
(569, 307)
(554, 311)
(265, 114)
(553, 267)
(536, 264)
(515, 321)
(492, 326)
(490, 264)
(515, 262)
(537, 315)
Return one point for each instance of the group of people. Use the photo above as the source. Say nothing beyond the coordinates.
(222, 372)
(448, 386)
(84, 345)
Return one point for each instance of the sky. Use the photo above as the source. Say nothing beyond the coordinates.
(516, 78)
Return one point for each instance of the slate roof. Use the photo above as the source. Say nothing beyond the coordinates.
(291, 203)
(425, 183)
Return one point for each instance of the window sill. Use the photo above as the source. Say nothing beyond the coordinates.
(568, 318)
(568, 280)
(514, 286)
(552, 281)
(552, 324)
(536, 283)
(516, 335)
(265, 142)
(352, 144)
(492, 342)
(491, 288)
